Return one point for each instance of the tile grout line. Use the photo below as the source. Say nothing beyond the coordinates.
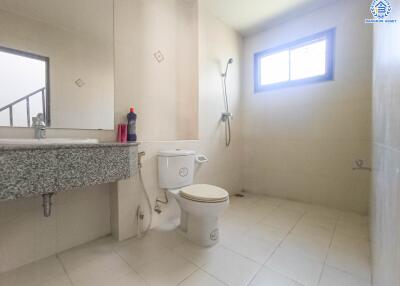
(234, 252)
(261, 265)
(201, 268)
(327, 254)
(276, 248)
(169, 249)
(172, 249)
(134, 270)
(65, 269)
(230, 250)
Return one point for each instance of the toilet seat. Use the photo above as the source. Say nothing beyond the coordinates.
(204, 193)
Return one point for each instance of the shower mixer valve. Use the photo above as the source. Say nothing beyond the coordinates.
(226, 115)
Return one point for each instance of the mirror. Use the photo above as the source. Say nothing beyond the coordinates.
(57, 58)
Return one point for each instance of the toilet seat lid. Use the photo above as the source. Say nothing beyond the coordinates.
(204, 193)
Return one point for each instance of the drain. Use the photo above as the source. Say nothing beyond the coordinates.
(239, 195)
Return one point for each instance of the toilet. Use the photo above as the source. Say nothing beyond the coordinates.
(201, 205)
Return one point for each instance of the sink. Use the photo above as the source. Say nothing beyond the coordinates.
(47, 141)
(33, 167)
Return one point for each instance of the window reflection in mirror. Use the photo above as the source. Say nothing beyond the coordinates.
(77, 36)
(24, 87)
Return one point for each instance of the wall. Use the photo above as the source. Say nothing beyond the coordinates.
(300, 142)
(78, 217)
(385, 199)
(165, 94)
(217, 43)
(73, 55)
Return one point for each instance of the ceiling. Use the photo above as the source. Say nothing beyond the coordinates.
(95, 16)
(90, 17)
(251, 16)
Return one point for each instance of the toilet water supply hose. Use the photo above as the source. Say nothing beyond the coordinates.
(139, 213)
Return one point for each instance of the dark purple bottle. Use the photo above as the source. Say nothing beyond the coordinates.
(132, 125)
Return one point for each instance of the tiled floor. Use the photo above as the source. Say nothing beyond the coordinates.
(265, 242)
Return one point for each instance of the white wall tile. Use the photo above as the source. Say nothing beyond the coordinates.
(300, 142)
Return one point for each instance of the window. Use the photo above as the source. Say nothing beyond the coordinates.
(24, 87)
(307, 60)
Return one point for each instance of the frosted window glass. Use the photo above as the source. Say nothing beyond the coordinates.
(275, 68)
(308, 61)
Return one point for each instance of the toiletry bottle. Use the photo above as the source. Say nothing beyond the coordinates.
(132, 125)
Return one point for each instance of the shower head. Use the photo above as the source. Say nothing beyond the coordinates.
(230, 61)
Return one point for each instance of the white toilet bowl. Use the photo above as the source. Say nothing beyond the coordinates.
(201, 205)
(199, 213)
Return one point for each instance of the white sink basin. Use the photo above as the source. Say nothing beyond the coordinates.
(47, 141)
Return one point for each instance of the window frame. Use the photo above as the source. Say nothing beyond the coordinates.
(47, 65)
(328, 35)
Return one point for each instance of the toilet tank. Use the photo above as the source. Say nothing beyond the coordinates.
(175, 168)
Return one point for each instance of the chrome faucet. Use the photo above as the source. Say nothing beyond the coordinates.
(39, 125)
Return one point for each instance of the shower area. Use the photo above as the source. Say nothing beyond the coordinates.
(227, 116)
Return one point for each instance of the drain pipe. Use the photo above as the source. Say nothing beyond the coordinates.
(47, 204)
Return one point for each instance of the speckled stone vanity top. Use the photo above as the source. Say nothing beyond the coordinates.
(28, 170)
(12, 147)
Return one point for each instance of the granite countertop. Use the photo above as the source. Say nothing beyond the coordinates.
(54, 146)
(31, 168)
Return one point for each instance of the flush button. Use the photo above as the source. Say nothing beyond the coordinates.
(183, 172)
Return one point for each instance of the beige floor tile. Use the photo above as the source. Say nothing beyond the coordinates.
(267, 203)
(314, 247)
(231, 268)
(229, 232)
(267, 277)
(137, 252)
(355, 263)
(256, 249)
(166, 236)
(353, 218)
(314, 231)
(201, 278)
(129, 279)
(292, 240)
(169, 269)
(93, 265)
(351, 244)
(324, 212)
(62, 280)
(87, 253)
(295, 206)
(313, 220)
(281, 219)
(35, 274)
(198, 255)
(234, 226)
(334, 277)
(354, 230)
(301, 269)
(268, 233)
(239, 221)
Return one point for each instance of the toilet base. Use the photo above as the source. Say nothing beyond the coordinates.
(203, 231)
